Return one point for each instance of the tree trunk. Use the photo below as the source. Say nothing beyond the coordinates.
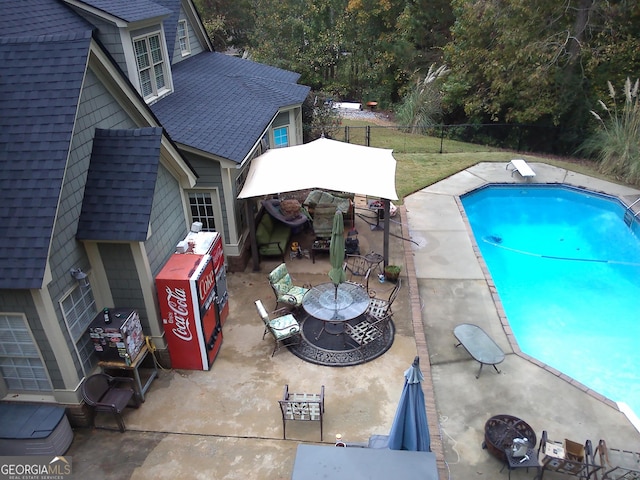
(580, 25)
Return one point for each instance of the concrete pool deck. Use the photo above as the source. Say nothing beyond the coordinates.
(455, 287)
(225, 423)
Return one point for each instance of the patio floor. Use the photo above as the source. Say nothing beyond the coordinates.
(226, 423)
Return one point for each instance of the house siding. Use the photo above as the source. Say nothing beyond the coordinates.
(123, 279)
(97, 109)
(168, 224)
(109, 36)
(210, 177)
(194, 44)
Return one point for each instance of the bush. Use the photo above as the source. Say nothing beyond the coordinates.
(616, 143)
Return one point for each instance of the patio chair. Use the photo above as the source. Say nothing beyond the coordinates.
(357, 270)
(323, 220)
(365, 332)
(306, 407)
(284, 289)
(558, 457)
(106, 394)
(381, 308)
(617, 463)
(284, 329)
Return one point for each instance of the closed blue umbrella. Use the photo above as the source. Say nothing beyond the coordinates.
(410, 430)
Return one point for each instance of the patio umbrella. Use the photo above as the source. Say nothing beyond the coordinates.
(410, 430)
(336, 251)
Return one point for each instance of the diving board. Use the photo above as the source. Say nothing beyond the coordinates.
(522, 167)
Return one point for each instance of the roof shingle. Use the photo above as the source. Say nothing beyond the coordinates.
(118, 195)
(39, 93)
(223, 104)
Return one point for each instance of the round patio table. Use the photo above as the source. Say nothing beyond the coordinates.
(335, 308)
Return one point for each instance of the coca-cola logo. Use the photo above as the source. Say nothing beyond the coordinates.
(177, 302)
(206, 283)
(218, 257)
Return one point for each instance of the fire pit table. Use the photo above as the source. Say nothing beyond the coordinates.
(499, 432)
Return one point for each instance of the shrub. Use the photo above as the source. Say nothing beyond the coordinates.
(421, 107)
(616, 143)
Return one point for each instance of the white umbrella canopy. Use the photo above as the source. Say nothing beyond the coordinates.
(363, 170)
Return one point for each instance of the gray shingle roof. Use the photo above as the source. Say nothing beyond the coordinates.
(39, 92)
(223, 104)
(171, 23)
(118, 195)
(27, 18)
(129, 10)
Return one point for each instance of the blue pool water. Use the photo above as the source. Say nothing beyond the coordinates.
(567, 269)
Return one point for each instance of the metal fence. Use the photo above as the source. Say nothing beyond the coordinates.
(464, 138)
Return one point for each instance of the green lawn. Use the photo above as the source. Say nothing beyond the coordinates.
(420, 164)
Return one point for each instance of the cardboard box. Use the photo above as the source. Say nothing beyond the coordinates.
(573, 451)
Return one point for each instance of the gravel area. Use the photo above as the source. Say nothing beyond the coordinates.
(382, 118)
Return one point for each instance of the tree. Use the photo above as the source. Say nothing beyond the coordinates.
(228, 23)
(319, 117)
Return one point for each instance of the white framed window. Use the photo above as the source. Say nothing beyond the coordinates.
(183, 38)
(201, 205)
(79, 310)
(21, 366)
(151, 65)
(281, 137)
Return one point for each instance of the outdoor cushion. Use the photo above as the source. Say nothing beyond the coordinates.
(272, 236)
(317, 197)
(283, 287)
(284, 326)
(264, 230)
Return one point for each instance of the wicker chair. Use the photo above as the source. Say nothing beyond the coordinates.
(106, 394)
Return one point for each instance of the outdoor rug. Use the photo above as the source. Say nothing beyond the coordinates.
(337, 350)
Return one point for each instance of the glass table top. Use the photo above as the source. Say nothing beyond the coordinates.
(326, 303)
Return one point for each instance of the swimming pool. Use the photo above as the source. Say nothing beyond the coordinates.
(567, 269)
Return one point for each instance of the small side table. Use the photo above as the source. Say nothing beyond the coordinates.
(319, 245)
(374, 260)
(149, 374)
(528, 461)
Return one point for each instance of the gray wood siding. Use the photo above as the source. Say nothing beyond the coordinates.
(194, 44)
(97, 109)
(210, 176)
(20, 302)
(168, 225)
(109, 36)
(124, 283)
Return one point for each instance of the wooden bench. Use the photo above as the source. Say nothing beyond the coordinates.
(306, 407)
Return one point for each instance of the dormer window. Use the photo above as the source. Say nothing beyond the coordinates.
(183, 38)
(151, 65)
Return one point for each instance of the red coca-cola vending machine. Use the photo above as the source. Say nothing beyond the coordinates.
(210, 243)
(189, 306)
